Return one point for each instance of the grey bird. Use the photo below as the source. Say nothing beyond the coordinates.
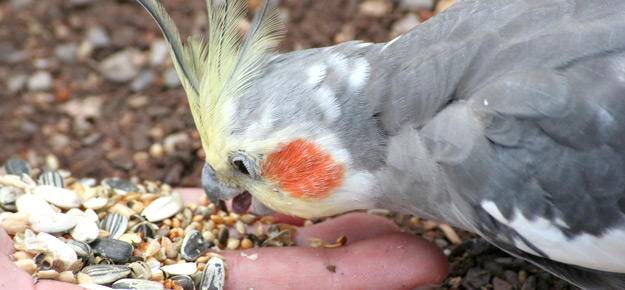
(505, 118)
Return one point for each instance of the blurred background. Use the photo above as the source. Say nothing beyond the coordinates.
(88, 86)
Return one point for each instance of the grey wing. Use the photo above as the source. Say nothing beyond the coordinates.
(532, 144)
(537, 159)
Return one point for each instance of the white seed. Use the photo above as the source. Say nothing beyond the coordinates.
(240, 227)
(13, 180)
(16, 223)
(131, 238)
(21, 255)
(84, 279)
(48, 274)
(51, 222)
(180, 269)
(86, 230)
(27, 265)
(61, 197)
(163, 207)
(95, 203)
(122, 209)
(67, 276)
(4, 215)
(450, 234)
(153, 248)
(64, 252)
(33, 204)
(233, 244)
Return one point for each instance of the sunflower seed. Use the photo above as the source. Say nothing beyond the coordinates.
(119, 186)
(146, 229)
(8, 196)
(104, 274)
(114, 223)
(116, 250)
(82, 249)
(128, 283)
(17, 166)
(51, 178)
(185, 281)
(193, 245)
(87, 182)
(214, 275)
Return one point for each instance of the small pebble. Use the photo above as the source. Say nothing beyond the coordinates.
(158, 52)
(171, 79)
(40, 81)
(119, 67)
(98, 37)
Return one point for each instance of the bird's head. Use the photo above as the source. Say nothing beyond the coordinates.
(262, 144)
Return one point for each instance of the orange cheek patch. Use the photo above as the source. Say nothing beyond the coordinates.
(301, 169)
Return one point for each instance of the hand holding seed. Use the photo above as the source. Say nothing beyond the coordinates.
(376, 256)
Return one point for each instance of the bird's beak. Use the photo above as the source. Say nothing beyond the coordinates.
(218, 192)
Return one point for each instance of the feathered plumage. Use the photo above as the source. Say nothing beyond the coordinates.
(500, 117)
(215, 73)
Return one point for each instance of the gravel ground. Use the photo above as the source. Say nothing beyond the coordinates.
(87, 85)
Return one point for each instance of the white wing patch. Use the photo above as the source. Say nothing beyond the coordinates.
(326, 99)
(604, 253)
(359, 74)
(492, 209)
(316, 74)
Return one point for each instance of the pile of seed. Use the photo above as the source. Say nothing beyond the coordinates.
(123, 234)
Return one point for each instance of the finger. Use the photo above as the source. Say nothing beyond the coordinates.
(53, 285)
(6, 244)
(13, 277)
(189, 194)
(355, 226)
(390, 261)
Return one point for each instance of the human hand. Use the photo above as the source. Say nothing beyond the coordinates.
(376, 256)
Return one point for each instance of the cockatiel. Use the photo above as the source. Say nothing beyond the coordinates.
(506, 118)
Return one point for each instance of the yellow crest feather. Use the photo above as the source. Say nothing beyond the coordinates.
(222, 70)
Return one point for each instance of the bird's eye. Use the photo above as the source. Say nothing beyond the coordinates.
(240, 164)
